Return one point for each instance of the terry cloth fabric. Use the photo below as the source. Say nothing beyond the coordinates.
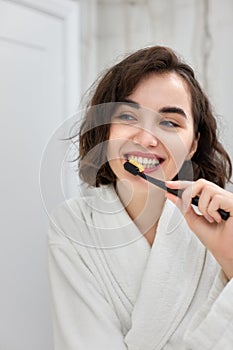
(111, 290)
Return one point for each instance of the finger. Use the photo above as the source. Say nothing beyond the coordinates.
(178, 202)
(201, 227)
(199, 224)
(204, 190)
(184, 204)
(213, 211)
(201, 188)
(186, 187)
(190, 190)
(203, 205)
(207, 191)
(174, 199)
(179, 185)
(219, 201)
(204, 187)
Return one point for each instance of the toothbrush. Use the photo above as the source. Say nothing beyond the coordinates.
(135, 168)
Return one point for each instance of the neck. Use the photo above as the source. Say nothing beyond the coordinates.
(144, 207)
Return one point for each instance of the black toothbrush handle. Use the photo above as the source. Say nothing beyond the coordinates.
(224, 214)
(134, 170)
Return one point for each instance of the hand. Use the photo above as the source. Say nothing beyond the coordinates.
(215, 233)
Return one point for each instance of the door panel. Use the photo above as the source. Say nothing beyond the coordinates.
(32, 105)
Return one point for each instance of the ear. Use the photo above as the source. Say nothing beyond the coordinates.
(193, 147)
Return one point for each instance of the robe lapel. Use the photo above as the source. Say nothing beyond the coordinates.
(169, 282)
(121, 255)
(127, 251)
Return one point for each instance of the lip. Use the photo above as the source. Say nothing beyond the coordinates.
(151, 170)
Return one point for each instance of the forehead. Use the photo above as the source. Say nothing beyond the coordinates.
(158, 90)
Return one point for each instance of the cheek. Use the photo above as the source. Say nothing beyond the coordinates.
(119, 131)
(114, 149)
(115, 130)
(119, 135)
(114, 160)
(112, 143)
(179, 147)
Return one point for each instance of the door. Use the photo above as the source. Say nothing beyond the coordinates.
(35, 96)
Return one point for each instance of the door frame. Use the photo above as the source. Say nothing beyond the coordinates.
(69, 12)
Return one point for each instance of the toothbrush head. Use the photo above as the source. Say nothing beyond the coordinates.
(133, 167)
(138, 165)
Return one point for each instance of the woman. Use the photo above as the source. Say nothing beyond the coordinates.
(129, 270)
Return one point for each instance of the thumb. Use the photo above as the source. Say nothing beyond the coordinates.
(197, 223)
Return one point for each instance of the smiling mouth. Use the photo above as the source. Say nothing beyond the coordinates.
(145, 162)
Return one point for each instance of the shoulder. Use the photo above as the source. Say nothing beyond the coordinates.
(73, 217)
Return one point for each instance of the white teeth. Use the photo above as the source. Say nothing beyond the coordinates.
(145, 162)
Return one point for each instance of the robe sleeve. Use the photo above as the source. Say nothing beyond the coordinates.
(212, 325)
(82, 317)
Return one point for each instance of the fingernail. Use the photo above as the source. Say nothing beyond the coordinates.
(209, 218)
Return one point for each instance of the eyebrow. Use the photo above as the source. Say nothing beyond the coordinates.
(167, 109)
(132, 103)
(171, 109)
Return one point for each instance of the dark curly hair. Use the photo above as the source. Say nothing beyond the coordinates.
(210, 160)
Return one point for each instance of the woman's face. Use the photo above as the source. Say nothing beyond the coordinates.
(154, 126)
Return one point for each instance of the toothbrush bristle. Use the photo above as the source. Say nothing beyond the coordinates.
(131, 168)
(138, 165)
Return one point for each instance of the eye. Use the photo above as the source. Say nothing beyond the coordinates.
(169, 124)
(126, 117)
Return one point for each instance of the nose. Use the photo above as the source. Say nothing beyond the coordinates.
(145, 138)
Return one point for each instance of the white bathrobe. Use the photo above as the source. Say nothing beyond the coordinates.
(112, 291)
